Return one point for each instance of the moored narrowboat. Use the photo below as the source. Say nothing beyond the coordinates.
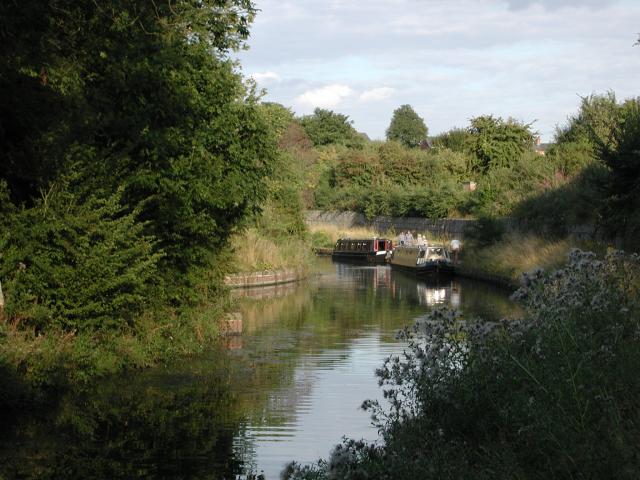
(370, 250)
(422, 260)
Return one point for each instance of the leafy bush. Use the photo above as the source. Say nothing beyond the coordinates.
(76, 266)
(496, 142)
(552, 395)
(325, 127)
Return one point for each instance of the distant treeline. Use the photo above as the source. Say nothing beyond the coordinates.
(587, 175)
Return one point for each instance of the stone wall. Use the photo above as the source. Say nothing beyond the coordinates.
(446, 227)
(257, 279)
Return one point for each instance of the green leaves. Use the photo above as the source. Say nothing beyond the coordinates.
(407, 127)
(498, 143)
(77, 266)
(325, 127)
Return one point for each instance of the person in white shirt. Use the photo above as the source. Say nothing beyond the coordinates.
(456, 246)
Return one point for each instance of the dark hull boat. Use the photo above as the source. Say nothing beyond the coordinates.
(370, 250)
(422, 260)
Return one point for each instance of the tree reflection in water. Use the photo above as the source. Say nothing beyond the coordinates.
(183, 428)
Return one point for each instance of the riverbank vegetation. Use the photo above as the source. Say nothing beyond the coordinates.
(553, 395)
(132, 150)
(515, 253)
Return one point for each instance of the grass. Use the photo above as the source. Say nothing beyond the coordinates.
(253, 252)
(517, 253)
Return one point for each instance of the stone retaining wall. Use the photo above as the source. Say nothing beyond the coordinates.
(445, 227)
(476, 274)
(266, 277)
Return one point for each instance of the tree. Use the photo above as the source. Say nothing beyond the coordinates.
(498, 143)
(278, 117)
(620, 151)
(50, 52)
(154, 106)
(407, 127)
(454, 139)
(325, 127)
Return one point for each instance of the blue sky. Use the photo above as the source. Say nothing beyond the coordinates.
(450, 59)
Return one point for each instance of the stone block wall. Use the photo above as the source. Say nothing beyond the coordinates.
(267, 277)
(446, 227)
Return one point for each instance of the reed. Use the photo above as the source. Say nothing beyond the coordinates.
(254, 252)
(517, 253)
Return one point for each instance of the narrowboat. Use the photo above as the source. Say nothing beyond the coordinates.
(422, 260)
(369, 250)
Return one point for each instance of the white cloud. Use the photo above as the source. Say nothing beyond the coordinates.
(450, 60)
(376, 94)
(328, 96)
(265, 77)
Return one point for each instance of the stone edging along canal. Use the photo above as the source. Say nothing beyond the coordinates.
(263, 278)
(478, 274)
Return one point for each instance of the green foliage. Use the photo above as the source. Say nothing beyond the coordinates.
(595, 120)
(621, 153)
(571, 157)
(485, 231)
(163, 151)
(390, 179)
(358, 168)
(295, 138)
(498, 143)
(278, 117)
(76, 266)
(407, 127)
(325, 127)
(282, 215)
(455, 139)
(596, 173)
(565, 202)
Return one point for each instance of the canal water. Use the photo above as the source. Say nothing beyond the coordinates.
(289, 388)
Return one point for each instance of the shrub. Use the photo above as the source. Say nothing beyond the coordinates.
(76, 266)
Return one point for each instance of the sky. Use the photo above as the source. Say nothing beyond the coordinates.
(451, 60)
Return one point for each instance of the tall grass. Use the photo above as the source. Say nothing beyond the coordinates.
(517, 253)
(253, 251)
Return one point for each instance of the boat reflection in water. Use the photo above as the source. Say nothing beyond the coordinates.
(482, 299)
(443, 294)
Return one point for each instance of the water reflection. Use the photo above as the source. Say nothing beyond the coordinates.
(288, 388)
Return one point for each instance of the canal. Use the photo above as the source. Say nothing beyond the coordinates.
(287, 389)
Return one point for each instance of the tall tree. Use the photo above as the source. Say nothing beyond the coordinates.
(325, 127)
(620, 151)
(498, 143)
(407, 127)
(140, 96)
